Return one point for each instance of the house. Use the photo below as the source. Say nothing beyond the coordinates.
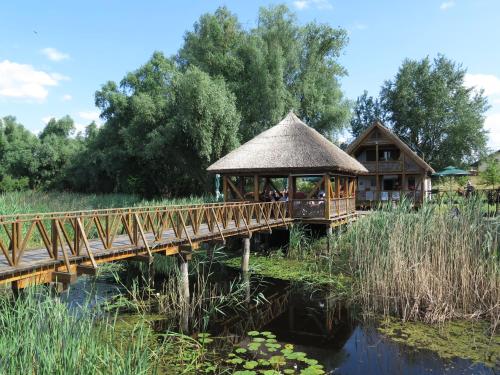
(480, 165)
(394, 169)
(292, 162)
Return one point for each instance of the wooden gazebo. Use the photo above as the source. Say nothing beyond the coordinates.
(292, 162)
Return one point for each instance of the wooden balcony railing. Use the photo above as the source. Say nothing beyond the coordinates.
(315, 208)
(388, 195)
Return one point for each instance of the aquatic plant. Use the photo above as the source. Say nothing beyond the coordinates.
(41, 335)
(462, 339)
(263, 354)
(434, 264)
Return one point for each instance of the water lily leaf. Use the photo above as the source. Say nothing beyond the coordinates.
(240, 350)
(266, 333)
(258, 339)
(277, 360)
(253, 333)
(250, 365)
(244, 372)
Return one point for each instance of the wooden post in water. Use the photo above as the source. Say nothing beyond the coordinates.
(183, 262)
(245, 258)
(329, 232)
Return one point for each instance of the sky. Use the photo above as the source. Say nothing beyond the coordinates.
(55, 54)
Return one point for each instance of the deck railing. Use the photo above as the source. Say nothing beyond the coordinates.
(388, 195)
(69, 234)
(315, 208)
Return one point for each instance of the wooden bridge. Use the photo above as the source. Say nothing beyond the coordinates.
(42, 248)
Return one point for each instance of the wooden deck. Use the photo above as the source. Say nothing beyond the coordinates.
(41, 248)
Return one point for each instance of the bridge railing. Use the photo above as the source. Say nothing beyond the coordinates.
(64, 235)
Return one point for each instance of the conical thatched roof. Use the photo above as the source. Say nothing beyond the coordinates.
(290, 146)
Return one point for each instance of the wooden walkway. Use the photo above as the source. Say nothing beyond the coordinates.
(60, 246)
(42, 248)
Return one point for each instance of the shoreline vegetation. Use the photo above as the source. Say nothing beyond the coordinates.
(432, 274)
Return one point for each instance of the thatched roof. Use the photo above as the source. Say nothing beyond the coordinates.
(291, 146)
(351, 149)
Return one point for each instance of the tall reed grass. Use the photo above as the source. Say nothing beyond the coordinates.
(40, 202)
(40, 335)
(433, 264)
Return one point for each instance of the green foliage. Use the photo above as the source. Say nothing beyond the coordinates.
(491, 174)
(430, 108)
(366, 111)
(255, 357)
(277, 66)
(463, 339)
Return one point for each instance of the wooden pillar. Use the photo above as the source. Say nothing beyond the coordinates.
(376, 172)
(291, 189)
(327, 196)
(422, 189)
(404, 182)
(224, 188)
(183, 263)
(245, 257)
(256, 188)
(329, 232)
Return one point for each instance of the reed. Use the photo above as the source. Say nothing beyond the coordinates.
(41, 335)
(433, 264)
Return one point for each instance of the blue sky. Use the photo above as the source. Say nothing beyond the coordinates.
(54, 55)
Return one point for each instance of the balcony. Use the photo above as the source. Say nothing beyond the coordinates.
(384, 166)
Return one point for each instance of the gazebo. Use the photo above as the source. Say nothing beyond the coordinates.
(292, 162)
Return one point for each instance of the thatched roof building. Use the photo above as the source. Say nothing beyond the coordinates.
(289, 147)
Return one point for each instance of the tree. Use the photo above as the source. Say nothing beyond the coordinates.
(430, 108)
(18, 161)
(275, 67)
(366, 111)
(491, 175)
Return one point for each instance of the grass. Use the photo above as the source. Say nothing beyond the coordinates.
(41, 335)
(433, 265)
(41, 202)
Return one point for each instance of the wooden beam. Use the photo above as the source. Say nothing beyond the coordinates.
(232, 187)
(64, 277)
(327, 195)
(256, 189)
(224, 188)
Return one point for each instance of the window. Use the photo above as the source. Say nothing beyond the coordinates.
(388, 155)
(371, 155)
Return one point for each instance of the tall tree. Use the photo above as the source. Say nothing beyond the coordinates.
(275, 67)
(430, 107)
(366, 111)
(18, 155)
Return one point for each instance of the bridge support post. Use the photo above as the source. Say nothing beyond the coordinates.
(329, 233)
(183, 262)
(245, 258)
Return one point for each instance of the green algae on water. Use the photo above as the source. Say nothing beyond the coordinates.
(292, 270)
(462, 339)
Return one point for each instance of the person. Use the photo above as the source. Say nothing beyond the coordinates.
(469, 189)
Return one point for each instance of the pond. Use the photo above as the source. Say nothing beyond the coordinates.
(316, 324)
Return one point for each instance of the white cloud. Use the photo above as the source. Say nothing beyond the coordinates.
(24, 81)
(318, 4)
(492, 124)
(54, 55)
(488, 82)
(66, 98)
(447, 5)
(90, 116)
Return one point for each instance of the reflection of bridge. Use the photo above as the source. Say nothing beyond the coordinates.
(40, 248)
(255, 317)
